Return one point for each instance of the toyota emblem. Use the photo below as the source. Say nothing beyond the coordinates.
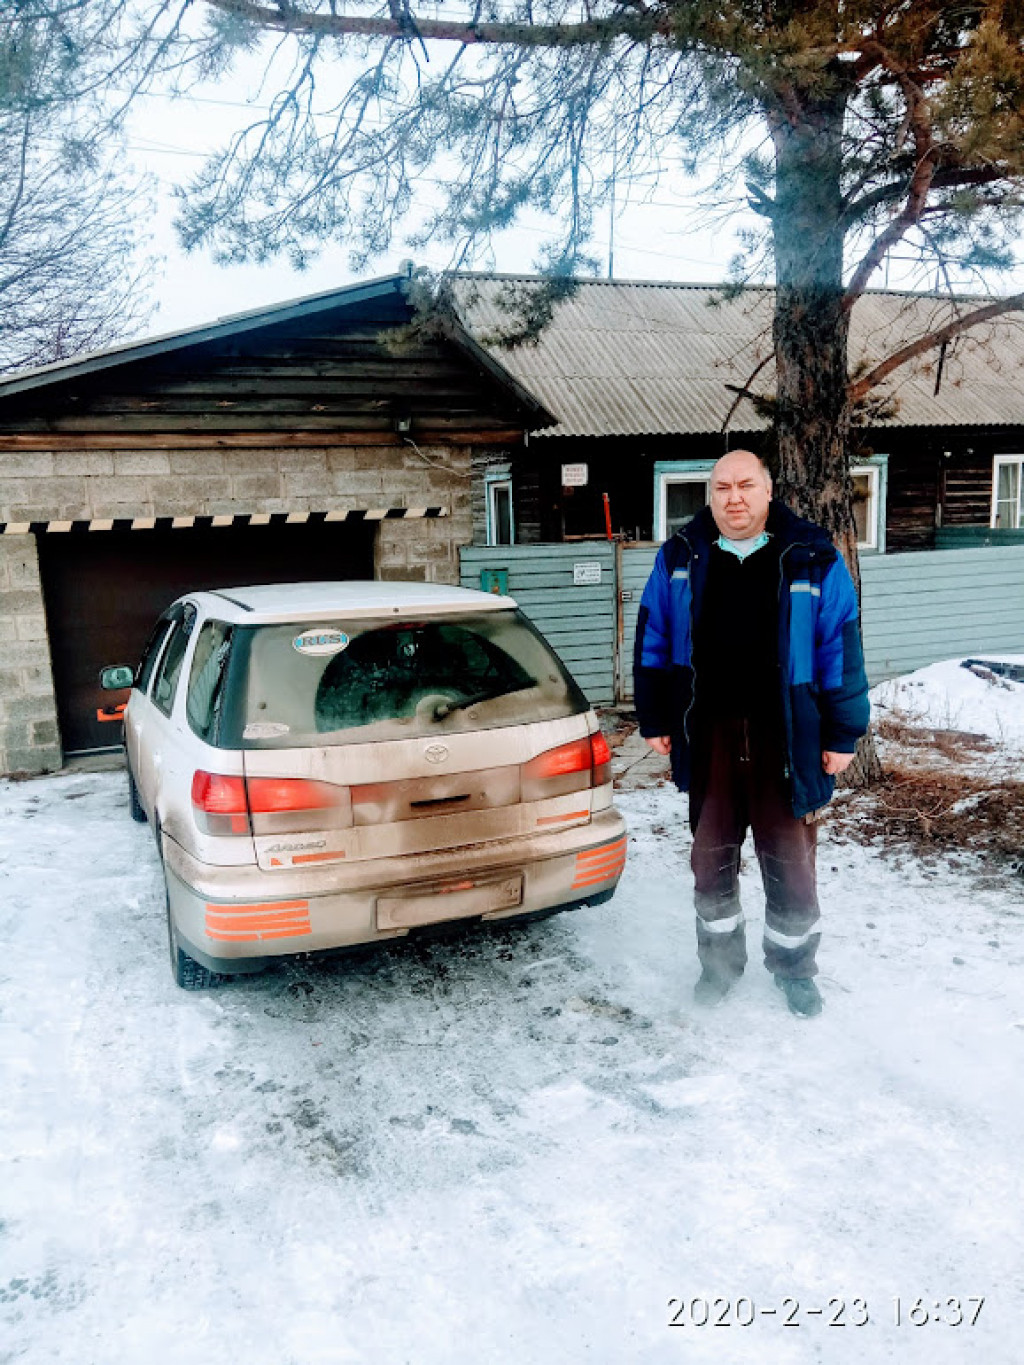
(436, 753)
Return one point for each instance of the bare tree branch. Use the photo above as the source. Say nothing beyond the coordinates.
(861, 387)
(288, 19)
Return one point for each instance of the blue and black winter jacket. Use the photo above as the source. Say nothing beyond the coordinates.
(823, 688)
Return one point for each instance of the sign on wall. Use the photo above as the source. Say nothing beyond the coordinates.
(586, 572)
(574, 475)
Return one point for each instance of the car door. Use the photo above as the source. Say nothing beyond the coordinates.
(138, 706)
(159, 748)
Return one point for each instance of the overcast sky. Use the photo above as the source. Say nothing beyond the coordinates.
(662, 233)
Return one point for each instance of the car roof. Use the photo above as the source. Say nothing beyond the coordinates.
(270, 603)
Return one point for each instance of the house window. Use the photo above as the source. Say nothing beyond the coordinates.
(1008, 493)
(865, 505)
(500, 523)
(681, 489)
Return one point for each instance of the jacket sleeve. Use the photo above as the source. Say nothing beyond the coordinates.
(652, 654)
(839, 664)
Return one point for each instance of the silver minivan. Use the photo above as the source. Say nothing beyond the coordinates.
(332, 764)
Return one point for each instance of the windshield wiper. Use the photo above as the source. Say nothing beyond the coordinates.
(445, 708)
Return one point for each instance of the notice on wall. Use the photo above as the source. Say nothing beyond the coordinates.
(574, 476)
(585, 572)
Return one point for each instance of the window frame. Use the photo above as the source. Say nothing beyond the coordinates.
(876, 467)
(492, 483)
(875, 519)
(998, 461)
(152, 653)
(668, 472)
(185, 623)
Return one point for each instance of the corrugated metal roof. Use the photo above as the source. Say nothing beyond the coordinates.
(641, 359)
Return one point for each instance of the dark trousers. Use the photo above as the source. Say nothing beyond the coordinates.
(738, 782)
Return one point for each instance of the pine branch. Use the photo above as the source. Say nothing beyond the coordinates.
(946, 178)
(640, 27)
(918, 189)
(857, 390)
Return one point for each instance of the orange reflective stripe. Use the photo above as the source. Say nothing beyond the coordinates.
(557, 819)
(316, 857)
(251, 923)
(596, 854)
(601, 864)
(255, 921)
(267, 908)
(595, 877)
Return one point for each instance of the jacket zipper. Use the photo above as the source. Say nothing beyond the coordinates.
(693, 671)
(784, 683)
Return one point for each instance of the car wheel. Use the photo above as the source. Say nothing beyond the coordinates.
(189, 974)
(135, 806)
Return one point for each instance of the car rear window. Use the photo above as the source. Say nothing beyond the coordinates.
(338, 682)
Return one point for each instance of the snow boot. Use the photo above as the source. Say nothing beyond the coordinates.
(802, 995)
(711, 989)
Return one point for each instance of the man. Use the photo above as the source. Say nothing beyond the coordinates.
(749, 674)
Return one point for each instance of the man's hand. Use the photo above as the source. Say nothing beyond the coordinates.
(661, 744)
(832, 762)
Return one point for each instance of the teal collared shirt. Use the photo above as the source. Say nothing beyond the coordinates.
(742, 548)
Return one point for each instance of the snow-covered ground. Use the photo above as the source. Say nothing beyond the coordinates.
(950, 697)
(515, 1146)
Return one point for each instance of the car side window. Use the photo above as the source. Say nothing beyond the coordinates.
(206, 681)
(166, 683)
(150, 654)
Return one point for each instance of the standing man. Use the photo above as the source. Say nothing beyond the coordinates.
(749, 674)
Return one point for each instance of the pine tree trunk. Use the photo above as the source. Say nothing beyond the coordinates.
(811, 334)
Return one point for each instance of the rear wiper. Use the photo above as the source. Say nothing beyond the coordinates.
(445, 708)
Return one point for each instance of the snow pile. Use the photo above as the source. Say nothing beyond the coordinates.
(520, 1146)
(947, 696)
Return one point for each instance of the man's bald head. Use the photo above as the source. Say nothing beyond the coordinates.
(741, 489)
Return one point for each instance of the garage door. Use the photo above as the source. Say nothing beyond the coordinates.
(105, 589)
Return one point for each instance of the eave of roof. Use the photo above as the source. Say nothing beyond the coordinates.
(234, 324)
(252, 320)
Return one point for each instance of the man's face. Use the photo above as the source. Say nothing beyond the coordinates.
(740, 494)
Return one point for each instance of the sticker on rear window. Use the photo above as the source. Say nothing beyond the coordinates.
(265, 729)
(321, 640)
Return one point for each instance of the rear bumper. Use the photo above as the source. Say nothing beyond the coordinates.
(242, 919)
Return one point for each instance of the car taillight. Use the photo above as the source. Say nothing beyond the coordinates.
(219, 803)
(572, 767)
(602, 755)
(268, 805)
(288, 805)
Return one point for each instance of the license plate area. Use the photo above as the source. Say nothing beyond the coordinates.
(450, 900)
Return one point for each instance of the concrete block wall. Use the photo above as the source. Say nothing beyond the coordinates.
(72, 485)
(29, 741)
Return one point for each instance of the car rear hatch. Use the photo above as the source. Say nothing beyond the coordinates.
(379, 737)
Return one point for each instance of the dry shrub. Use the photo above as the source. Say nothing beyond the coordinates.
(896, 728)
(943, 810)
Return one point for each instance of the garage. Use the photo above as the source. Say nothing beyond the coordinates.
(104, 590)
(320, 438)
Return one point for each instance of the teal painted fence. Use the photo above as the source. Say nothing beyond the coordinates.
(578, 619)
(939, 604)
(636, 561)
(969, 537)
(917, 608)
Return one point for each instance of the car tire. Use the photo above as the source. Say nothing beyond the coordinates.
(189, 974)
(135, 806)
